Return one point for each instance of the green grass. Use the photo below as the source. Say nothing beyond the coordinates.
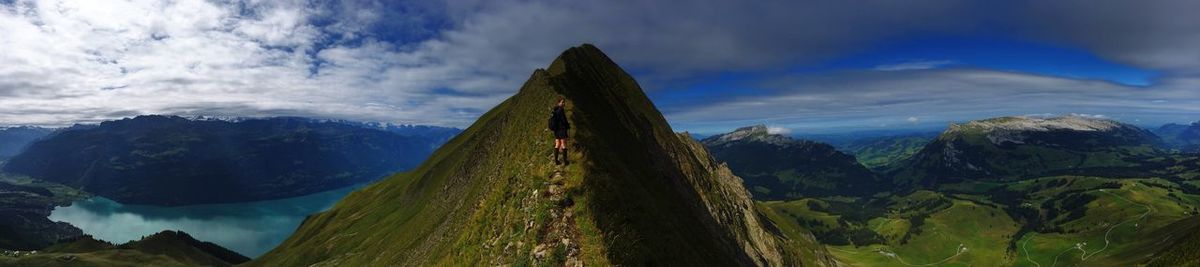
(107, 258)
(61, 193)
(161, 249)
(1132, 237)
(980, 221)
(977, 227)
(1185, 252)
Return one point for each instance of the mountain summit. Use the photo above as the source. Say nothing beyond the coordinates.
(777, 167)
(759, 133)
(636, 192)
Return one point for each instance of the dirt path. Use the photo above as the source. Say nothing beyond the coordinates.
(1084, 254)
(559, 237)
(961, 249)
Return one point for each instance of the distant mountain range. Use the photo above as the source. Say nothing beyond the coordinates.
(1185, 138)
(14, 139)
(1010, 148)
(1071, 190)
(777, 167)
(167, 160)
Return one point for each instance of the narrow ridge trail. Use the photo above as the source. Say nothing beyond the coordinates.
(559, 238)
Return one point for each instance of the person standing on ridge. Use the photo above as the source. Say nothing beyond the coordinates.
(559, 125)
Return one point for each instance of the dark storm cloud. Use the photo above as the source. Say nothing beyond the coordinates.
(683, 37)
(1156, 34)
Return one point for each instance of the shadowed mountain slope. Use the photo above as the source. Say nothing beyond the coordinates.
(777, 167)
(169, 160)
(1186, 138)
(14, 139)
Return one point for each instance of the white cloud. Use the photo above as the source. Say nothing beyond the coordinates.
(778, 130)
(85, 61)
(861, 98)
(914, 65)
(912, 119)
(1095, 116)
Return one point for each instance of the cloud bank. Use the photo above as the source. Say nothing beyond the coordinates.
(444, 63)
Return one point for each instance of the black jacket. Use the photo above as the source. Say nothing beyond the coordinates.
(558, 119)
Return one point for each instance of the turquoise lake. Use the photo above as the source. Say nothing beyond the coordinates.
(249, 228)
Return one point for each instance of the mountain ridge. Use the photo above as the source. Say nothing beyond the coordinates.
(636, 193)
(15, 139)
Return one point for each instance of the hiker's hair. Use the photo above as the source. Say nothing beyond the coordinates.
(561, 99)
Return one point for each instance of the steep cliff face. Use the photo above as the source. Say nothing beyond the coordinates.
(635, 193)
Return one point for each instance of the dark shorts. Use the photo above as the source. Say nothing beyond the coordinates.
(560, 134)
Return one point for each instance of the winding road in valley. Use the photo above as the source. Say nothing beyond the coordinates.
(1084, 254)
(891, 254)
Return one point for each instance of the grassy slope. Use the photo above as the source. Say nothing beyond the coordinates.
(976, 227)
(636, 194)
(167, 248)
(104, 258)
(991, 235)
(1139, 220)
(961, 222)
(1186, 252)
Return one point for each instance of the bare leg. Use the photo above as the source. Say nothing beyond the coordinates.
(564, 150)
(557, 151)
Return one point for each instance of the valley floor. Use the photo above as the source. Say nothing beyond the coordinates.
(1050, 221)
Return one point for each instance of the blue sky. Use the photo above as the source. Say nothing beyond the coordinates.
(711, 66)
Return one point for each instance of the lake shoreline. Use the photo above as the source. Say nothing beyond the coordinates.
(249, 228)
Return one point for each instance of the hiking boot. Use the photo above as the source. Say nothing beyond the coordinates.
(556, 161)
(565, 156)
